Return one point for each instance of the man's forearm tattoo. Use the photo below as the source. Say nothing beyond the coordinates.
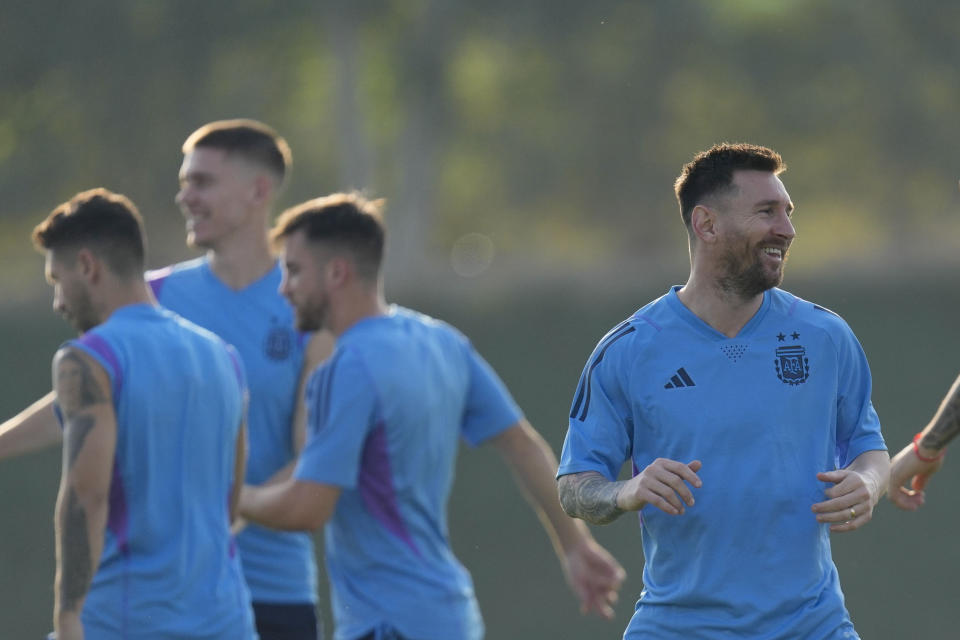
(590, 496)
(76, 568)
(946, 422)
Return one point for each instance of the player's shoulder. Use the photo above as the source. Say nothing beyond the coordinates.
(187, 329)
(185, 269)
(789, 304)
(811, 314)
(179, 273)
(412, 316)
(419, 325)
(635, 332)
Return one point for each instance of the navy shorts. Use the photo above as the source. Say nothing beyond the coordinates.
(286, 621)
(383, 633)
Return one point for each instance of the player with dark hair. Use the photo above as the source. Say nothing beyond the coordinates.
(152, 409)
(231, 174)
(386, 414)
(745, 413)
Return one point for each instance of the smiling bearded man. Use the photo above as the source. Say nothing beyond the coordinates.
(756, 401)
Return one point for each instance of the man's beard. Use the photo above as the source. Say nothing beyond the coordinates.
(744, 274)
(80, 313)
(313, 317)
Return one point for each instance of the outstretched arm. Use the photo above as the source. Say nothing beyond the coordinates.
(917, 462)
(34, 428)
(289, 505)
(90, 433)
(593, 574)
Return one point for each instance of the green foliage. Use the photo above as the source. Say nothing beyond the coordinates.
(534, 123)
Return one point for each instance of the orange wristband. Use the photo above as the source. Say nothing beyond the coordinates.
(916, 450)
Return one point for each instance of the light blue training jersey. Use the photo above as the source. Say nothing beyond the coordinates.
(765, 411)
(279, 566)
(169, 568)
(385, 416)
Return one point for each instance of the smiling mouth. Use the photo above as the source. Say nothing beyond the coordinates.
(773, 252)
(193, 220)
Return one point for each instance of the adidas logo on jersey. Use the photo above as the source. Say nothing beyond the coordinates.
(679, 380)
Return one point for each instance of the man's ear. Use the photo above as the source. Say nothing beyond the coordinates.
(263, 189)
(703, 222)
(338, 271)
(89, 265)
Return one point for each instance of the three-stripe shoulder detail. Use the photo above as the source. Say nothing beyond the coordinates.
(582, 403)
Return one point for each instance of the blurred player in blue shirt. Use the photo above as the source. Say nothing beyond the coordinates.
(386, 413)
(232, 171)
(231, 174)
(745, 413)
(153, 414)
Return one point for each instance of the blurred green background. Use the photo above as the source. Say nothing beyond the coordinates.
(527, 152)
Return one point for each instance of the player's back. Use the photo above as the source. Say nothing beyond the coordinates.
(169, 569)
(388, 550)
(420, 372)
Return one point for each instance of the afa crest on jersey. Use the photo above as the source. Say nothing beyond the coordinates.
(792, 364)
(279, 343)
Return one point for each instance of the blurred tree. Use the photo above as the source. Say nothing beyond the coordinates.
(553, 128)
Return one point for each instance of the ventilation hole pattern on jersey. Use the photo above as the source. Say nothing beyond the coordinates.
(734, 351)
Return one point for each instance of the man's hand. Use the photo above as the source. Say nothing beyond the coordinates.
(852, 499)
(907, 466)
(595, 576)
(663, 483)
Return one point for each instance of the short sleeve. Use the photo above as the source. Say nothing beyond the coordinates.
(489, 407)
(858, 426)
(599, 433)
(341, 411)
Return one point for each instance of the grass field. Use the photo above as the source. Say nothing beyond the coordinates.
(894, 571)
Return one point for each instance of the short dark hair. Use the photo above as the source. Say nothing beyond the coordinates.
(711, 172)
(107, 223)
(341, 220)
(249, 139)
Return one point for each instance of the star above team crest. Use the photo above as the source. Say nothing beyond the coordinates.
(795, 335)
(781, 337)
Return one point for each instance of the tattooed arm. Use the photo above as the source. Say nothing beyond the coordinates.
(664, 484)
(590, 496)
(916, 466)
(945, 424)
(90, 432)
